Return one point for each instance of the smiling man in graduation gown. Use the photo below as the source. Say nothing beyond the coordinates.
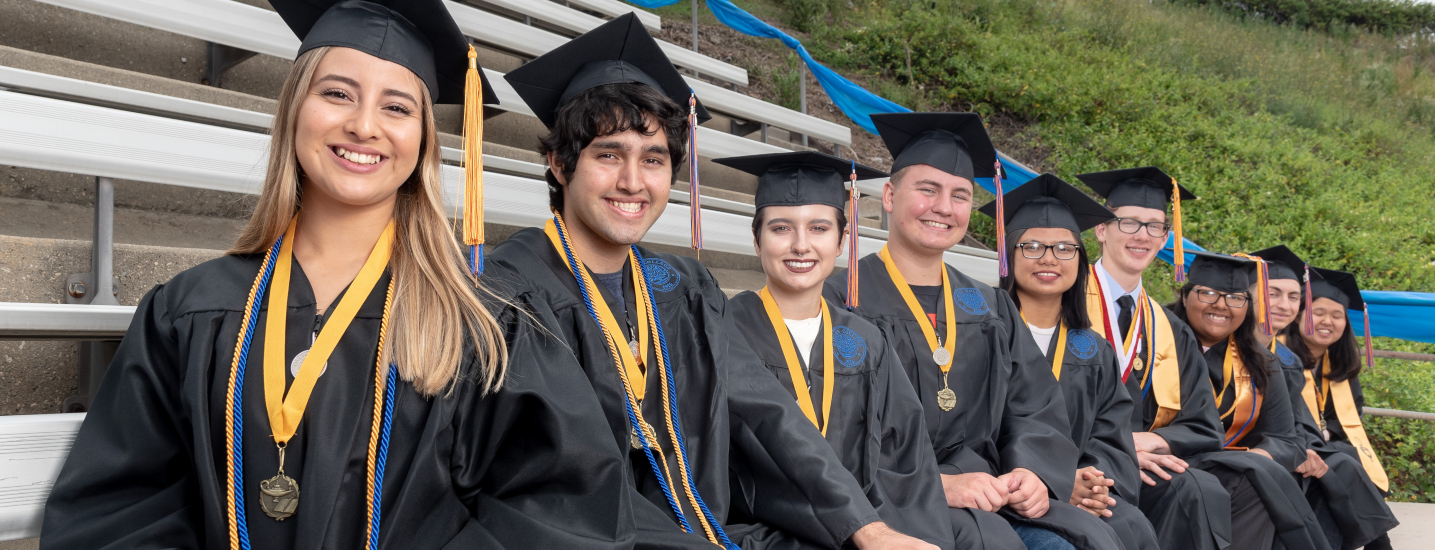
(1044, 221)
(837, 365)
(994, 412)
(1160, 362)
(680, 390)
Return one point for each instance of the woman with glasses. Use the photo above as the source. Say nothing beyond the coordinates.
(1044, 221)
(1261, 445)
(1349, 496)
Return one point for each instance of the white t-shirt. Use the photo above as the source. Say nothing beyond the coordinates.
(1042, 336)
(804, 333)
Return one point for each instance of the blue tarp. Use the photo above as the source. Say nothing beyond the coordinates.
(857, 103)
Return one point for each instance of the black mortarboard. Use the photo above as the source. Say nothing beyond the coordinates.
(619, 51)
(417, 34)
(1283, 263)
(1340, 286)
(955, 143)
(1220, 272)
(803, 177)
(1147, 187)
(1048, 201)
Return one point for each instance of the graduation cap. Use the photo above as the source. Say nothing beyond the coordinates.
(955, 143)
(1342, 287)
(617, 52)
(1146, 187)
(1048, 201)
(1220, 272)
(1285, 264)
(799, 178)
(810, 177)
(421, 36)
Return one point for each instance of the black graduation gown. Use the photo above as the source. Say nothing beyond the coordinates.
(1354, 502)
(1100, 411)
(1009, 414)
(731, 408)
(876, 424)
(1191, 511)
(148, 467)
(1275, 432)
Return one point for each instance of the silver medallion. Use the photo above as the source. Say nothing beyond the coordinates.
(941, 356)
(1326, 434)
(299, 362)
(633, 347)
(636, 439)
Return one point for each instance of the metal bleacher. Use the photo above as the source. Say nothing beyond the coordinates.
(65, 125)
(258, 30)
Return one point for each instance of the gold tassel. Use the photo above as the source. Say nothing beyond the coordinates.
(473, 164)
(1180, 256)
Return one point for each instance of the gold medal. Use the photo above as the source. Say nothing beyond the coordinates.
(1137, 364)
(279, 495)
(946, 398)
(941, 356)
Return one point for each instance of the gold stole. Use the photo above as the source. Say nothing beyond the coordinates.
(1246, 407)
(1349, 420)
(1165, 365)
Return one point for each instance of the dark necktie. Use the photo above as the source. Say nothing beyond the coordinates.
(1124, 318)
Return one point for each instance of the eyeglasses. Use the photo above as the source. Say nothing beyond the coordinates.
(1154, 229)
(1234, 300)
(1035, 250)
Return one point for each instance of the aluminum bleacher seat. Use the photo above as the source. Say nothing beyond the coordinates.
(566, 17)
(614, 8)
(258, 30)
(32, 450)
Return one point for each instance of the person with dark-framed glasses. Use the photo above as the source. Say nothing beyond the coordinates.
(1260, 445)
(1047, 280)
(1132, 225)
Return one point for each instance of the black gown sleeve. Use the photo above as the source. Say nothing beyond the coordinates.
(107, 495)
(801, 486)
(1197, 426)
(1110, 447)
(535, 461)
(1276, 426)
(1358, 395)
(907, 483)
(1035, 432)
(1305, 426)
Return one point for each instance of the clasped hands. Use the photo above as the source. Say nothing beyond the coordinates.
(1020, 488)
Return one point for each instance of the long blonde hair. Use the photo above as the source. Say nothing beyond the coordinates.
(434, 303)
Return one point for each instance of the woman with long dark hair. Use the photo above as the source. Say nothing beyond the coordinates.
(340, 379)
(1262, 447)
(1047, 279)
(1351, 494)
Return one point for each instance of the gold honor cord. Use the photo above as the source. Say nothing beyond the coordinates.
(794, 369)
(631, 362)
(1060, 357)
(648, 438)
(285, 411)
(942, 352)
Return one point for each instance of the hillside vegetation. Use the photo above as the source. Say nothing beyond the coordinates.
(1310, 123)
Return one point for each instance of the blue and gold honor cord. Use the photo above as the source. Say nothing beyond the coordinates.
(384, 389)
(557, 233)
